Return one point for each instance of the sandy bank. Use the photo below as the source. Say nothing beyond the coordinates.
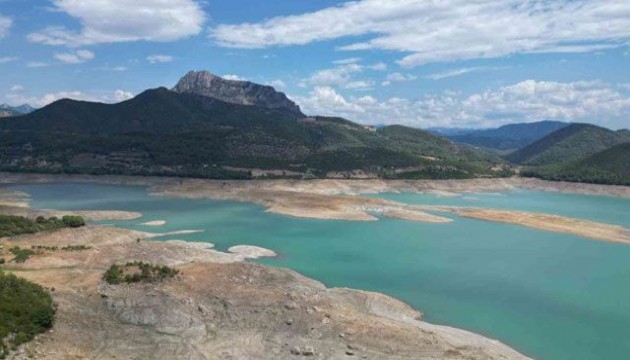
(251, 252)
(341, 200)
(154, 223)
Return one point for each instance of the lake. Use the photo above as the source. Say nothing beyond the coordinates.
(548, 295)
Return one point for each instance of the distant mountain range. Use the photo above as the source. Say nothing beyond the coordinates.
(578, 152)
(7, 110)
(207, 126)
(211, 127)
(571, 143)
(508, 137)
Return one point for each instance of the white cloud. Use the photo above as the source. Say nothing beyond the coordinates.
(381, 66)
(5, 25)
(446, 30)
(161, 59)
(8, 59)
(46, 99)
(234, 77)
(337, 76)
(525, 101)
(347, 61)
(110, 21)
(121, 95)
(17, 88)
(75, 57)
(397, 77)
(277, 84)
(461, 71)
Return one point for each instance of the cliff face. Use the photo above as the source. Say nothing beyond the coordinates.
(236, 92)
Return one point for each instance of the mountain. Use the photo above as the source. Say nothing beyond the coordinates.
(7, 110)
(237, 92)
(508, 137)
(163, 132)
(571, 143)
(611, 166)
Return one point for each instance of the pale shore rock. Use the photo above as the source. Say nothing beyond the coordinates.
(251, 252)
(339, 199)
(154, 223)
(218, 307)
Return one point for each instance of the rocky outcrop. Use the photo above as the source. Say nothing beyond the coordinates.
(219, 307)
(237, 92)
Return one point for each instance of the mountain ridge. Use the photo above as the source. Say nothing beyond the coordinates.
(163, 132)
(207, 84)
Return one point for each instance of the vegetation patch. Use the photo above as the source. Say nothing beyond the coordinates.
(26, 310)
(138, 271)
(21, 255)
(18, 225)
(64, 248)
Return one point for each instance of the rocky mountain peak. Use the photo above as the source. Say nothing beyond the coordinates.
(207, 84)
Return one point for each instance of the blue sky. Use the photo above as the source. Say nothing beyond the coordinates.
(424, 63)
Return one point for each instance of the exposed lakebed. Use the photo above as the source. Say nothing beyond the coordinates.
(548, 295)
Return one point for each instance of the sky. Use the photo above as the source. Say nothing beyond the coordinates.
(421, 63)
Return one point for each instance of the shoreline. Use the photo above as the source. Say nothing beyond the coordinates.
(338, 186)
(341, 200)
(219, 303)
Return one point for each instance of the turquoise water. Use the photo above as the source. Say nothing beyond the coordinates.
(550, 296)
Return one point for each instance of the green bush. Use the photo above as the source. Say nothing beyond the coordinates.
(26, 310)
(73, 221)
(137, 271)
(21, 255)
(19, 225)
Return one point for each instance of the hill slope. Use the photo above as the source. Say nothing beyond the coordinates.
(611, 166)
(162, 132)
(509, 137)
(569, 144)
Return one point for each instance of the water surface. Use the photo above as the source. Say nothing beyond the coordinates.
(548, 295)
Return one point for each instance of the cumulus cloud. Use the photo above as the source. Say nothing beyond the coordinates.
(525, 101)
(159, 59)
(432, 31)
(5, 25)
(234, 77)
(75, 57)
(111, 21)
(121, 95)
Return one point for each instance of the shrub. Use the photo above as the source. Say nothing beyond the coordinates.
(18, 225)
(26, 310)
(137, 271)
(73, 221)
(21, 255)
